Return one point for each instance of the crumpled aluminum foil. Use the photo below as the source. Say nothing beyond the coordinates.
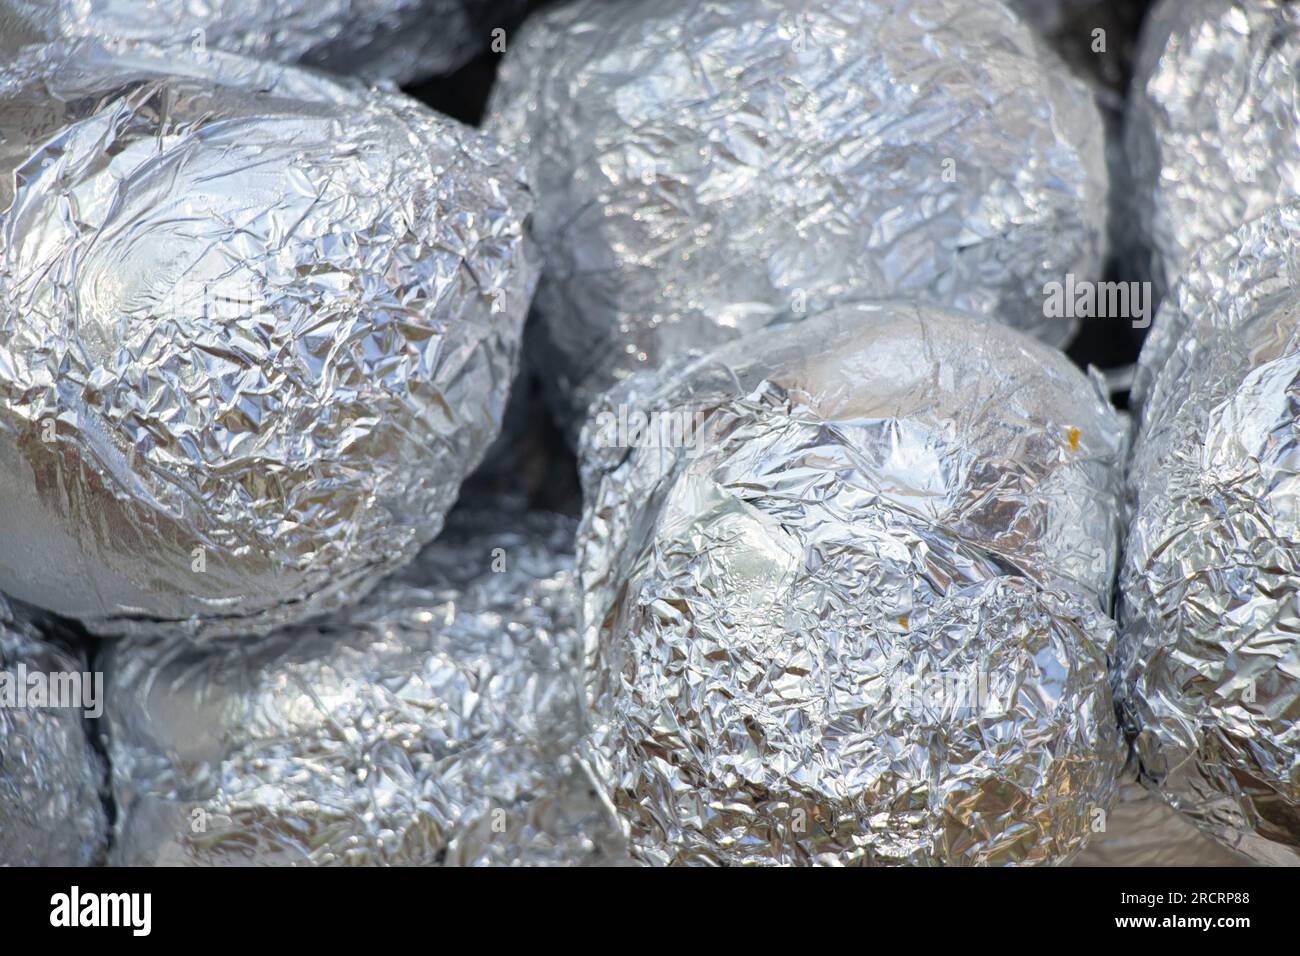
(255, 328)
(704, 170)
(51, 778)
(432, 723)
(1210, 657)
(1143, 830)
(399, 40)
(1212, 124)
(855, 613)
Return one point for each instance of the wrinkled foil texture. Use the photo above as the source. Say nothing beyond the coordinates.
(704, 170)
(874, 498)
(399, 40)
(432, 723)
(1211, 125)
(1210, 656)
(255, 328)
(51, 778)
(1143, 830)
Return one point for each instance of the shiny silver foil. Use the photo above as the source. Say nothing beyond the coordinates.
(858, 614)
(706, 169)
(1143, 830)
(255, 328)
(51, 778)
(1212, 123)
(432, 723)
(1209, 654)
(399, 40)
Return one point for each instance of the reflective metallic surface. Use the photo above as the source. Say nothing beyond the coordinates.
(1143, 830)
(853, 610)
(399, 40)
(706, 169)
(51, 813)
(1212, 123)
(255, 328)
(432, 723)
(1210, 584)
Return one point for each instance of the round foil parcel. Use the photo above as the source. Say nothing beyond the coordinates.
(845, 589)
(1210, 585)
(706, 169)
(51, 777)
(1212, 124)
(255, 328)
(399, 40)
(432, 723)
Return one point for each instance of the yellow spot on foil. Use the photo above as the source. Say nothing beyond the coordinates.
(903, 621)
(1074, 439)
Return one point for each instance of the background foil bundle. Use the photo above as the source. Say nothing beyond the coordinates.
(399, 40)
(432, 723)
(1210, 581)
(857, 615)
(706, 169)
(1212, 123)
(255, 328)
(51, 812)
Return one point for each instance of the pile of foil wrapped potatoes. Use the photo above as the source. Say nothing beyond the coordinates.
(787, 533)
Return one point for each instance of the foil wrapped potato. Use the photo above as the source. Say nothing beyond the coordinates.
(399, 40)
(1211, 125)
(1210, 583)
(845, 590)
(51, 776)
(433, 723)
(255, 328)
(704, 170)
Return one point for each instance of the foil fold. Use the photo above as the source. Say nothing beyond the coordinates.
(852, 609)
(705, 170)
(256, 326)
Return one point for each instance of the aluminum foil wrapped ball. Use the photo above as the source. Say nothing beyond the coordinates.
(1212, 123)
(399, 40)
(844, 592)
(51, 777)
(1211, 580)
(704, 170)
(255, 328)
(1143, 830)
(432, 723)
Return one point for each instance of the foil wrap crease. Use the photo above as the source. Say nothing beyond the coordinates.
(432, 723)
(1212, 124)
(255, 328)
(704, 170)
(398, 40)
(51, 777)
(857, 615)
(1210, 656)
